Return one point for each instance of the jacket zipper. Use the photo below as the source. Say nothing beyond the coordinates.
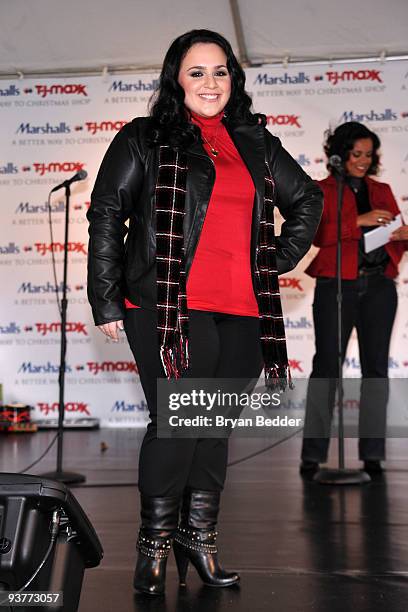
(207, 157)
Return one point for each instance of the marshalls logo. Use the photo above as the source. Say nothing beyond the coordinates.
(303, 160)
(122, 406)
(11, 90)
(387, 115)
(27, 208)
(301, 323)
(27, 367)
(29, 287)
(354, 364)
(8, 168)
(10, 249)
(47, 128)
(139, 85)
(285, 79)
(10, 328)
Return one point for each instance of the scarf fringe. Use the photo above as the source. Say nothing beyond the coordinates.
(278, 377)
(175, 358)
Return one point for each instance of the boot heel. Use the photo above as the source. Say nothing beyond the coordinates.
(181, 562)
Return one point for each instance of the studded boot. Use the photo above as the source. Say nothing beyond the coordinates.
(195, 539)
(159, 522)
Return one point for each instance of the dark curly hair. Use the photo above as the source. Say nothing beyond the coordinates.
(170, 121)
(342, 140)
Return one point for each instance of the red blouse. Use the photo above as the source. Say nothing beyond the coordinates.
(220, 275)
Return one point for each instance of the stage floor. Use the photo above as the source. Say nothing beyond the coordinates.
(298, 546)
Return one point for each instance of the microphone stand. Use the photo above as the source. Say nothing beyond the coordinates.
(340, 476)
(59, 474)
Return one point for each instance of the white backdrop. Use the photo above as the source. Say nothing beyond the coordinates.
(53, 127)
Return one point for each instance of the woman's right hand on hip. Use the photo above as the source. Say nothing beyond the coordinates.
(111, 329)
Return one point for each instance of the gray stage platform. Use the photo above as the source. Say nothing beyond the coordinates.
(299, 546)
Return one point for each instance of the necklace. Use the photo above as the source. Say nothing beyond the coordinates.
(355, 183)
(213, 150)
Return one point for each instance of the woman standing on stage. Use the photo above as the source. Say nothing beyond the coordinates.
(195, 285)
(369, 300)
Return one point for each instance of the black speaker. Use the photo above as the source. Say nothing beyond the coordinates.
(29, 507)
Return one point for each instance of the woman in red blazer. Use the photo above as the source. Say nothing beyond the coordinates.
(369, 296)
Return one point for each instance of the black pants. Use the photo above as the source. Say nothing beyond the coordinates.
(369, 304)
(220, 346)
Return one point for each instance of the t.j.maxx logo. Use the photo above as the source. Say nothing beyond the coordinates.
(58, 247)
(290, 283)
(286, 120)
(295, 365)
(70, 327)
(102, 126)
(334, 77)
(78, 89)
(41, 168)
(111, 366)
(80, 407)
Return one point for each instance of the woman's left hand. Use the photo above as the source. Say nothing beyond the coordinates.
(111, 329)
(400, 234)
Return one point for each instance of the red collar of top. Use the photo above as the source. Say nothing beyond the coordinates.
(206, 123)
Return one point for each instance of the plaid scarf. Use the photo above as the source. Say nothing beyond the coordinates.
(171, 280)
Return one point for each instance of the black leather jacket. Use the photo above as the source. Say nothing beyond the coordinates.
(124, 190)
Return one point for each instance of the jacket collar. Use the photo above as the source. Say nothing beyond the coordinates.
(250, 142)
(196, 149)
(371, 185)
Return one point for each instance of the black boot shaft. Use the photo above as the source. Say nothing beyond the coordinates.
(159, 524)
(200, 508)
(195, 540)
(159, 514)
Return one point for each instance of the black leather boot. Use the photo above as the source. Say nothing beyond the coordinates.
(159, 523)
(195, 539)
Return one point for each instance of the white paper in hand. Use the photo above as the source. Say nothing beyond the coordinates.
(381, 235)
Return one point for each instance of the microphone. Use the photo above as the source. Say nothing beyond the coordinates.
(336, 162)
(79, 176)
